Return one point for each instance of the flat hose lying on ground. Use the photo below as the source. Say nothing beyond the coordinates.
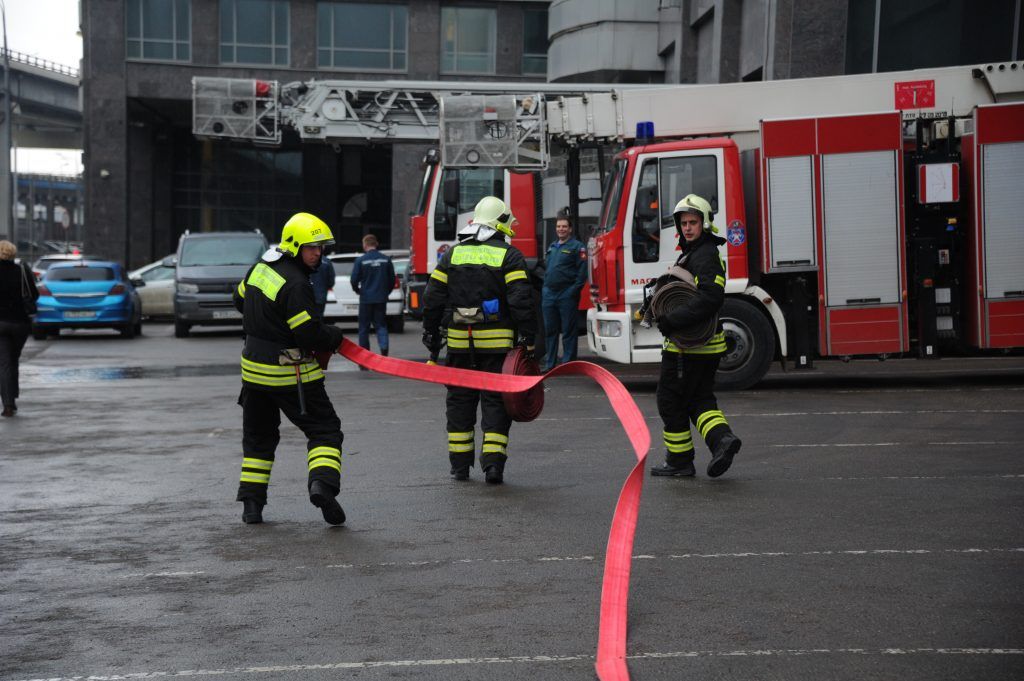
(611, 640)
(672, 290)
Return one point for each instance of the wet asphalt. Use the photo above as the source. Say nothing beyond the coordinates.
(871, 527)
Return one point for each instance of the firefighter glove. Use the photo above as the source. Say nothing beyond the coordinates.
(432, 341)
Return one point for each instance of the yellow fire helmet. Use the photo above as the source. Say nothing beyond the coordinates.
(493, 212)
(692, 203)
(302, 229)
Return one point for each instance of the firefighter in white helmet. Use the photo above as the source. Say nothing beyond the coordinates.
(686, 385)
(480, 290)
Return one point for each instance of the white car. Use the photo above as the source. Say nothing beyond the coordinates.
(343, 302)
(157, 295)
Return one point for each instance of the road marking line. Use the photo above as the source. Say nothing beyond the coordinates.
(528, 659)
(165, 574)
(898, 444)
(586, 558)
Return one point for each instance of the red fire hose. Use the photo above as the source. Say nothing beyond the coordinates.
(611, 638)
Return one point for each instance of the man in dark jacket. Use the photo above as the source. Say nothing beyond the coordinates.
(322, 280)
(282, 330)
(565, 274)
(480, 289)
(686, 385)
(373, 278)
(16, 285)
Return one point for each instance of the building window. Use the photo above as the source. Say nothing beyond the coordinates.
(254, 32)
(535, 41)
(468, 39)
(362, 36)
(158, 29)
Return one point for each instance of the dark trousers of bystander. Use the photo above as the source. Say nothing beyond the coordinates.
(12, 339)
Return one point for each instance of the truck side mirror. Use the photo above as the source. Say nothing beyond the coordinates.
(646, 206)
(450, 191)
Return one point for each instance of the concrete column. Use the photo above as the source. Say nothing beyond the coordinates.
(104, 117)
(406, 179)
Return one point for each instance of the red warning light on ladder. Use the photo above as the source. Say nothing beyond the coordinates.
(915, 94)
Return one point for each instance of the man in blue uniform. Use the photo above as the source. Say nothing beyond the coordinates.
(373, 277)
(564, 277)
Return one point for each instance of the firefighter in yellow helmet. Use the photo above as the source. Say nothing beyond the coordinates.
(481, 292)
(686, 385)
(280, 373)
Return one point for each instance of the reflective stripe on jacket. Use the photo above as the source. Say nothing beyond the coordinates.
(278, 313)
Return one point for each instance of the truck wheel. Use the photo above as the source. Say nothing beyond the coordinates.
(396, 324)
(181, 329)
(750, 345)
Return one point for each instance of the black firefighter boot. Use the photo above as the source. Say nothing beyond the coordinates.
(724, 451)
(322, 496)
(494, 474)
(252, 512)
(682, 469)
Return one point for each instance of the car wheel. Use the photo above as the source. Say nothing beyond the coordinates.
(181, 329)
(396, 324)
(128, 330)
(38, 334)
(138, 328)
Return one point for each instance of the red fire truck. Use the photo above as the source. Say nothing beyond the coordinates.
(875, 215)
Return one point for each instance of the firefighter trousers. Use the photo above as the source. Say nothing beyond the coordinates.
(461, 412)
(261, 421)
(686, 399)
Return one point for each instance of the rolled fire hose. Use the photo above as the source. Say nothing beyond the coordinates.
(611, 637)
(524, 406)
(674, 289)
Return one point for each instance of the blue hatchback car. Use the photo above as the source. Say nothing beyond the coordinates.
(87, 294)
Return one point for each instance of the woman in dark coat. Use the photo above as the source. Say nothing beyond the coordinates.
(15, 282)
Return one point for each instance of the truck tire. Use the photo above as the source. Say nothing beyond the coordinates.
(396, 323)
(181, 329)
(750, 345)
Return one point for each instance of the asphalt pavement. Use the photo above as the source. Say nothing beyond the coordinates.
(871, 527)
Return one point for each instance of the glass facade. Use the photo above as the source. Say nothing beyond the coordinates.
(535, 42)
(254, 32)
(158, 29)
(231, 187)
(362, 36)
(915, 34)
(468, 40)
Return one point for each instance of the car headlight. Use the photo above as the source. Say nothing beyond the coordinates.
(188, 288)
(609, 328)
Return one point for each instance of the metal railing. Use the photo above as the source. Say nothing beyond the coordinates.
(46, 64)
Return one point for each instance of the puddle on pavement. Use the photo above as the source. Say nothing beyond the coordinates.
(35, 374)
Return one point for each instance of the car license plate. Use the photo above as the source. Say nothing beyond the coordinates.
(227, 314)
(350, 309)
(79, 314)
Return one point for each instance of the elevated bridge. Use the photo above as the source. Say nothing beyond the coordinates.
(46, 103)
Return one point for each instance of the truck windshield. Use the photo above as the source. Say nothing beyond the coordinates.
(209, 251)
(473, 184)
(612, 197)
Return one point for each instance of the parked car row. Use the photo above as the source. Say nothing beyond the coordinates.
(192, 287)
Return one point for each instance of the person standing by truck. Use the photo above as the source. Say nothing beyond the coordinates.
(565, 274)
(373, 277)
(322, 281)
(687, 381)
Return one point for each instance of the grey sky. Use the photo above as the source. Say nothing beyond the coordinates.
(45, 28)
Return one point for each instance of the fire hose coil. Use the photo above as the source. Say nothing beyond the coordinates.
(673, 290)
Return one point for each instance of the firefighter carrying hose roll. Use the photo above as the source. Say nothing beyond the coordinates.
(480, 288)
(283, 336)
(686, 385)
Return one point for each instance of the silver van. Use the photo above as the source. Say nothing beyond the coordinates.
(209, 267)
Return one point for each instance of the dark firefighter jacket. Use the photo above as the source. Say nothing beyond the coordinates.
(276, 302)
(485, 282)
(702, 260)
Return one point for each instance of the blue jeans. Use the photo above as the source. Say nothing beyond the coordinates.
(559, 308)
(376, 314)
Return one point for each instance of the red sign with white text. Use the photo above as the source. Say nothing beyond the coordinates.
(915, 94)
